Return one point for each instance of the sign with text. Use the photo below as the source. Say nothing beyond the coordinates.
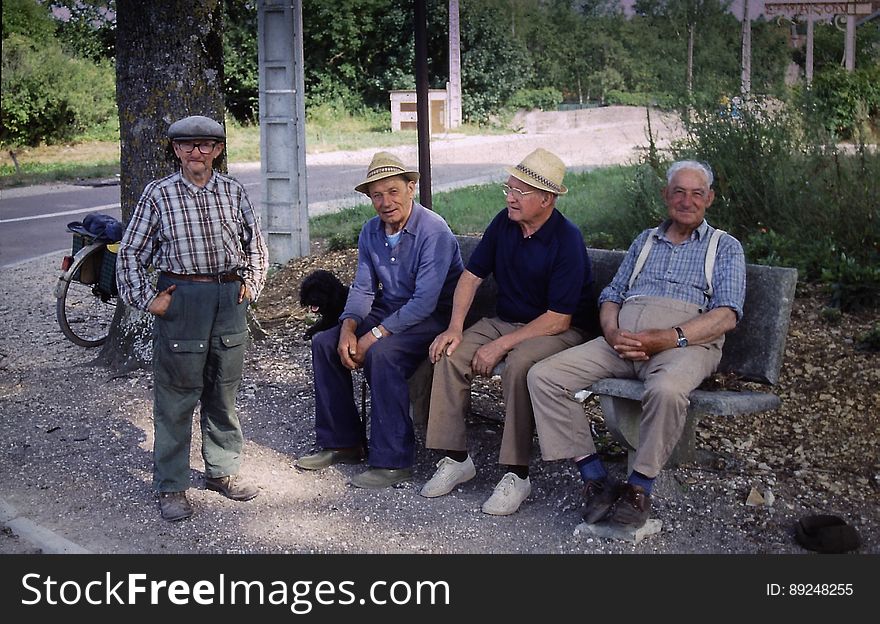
(811, 7)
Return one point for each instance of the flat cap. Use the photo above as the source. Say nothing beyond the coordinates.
(196, 127)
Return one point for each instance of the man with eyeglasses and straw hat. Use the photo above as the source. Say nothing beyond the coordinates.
(199, 231)
(540, 263)
(408, 265)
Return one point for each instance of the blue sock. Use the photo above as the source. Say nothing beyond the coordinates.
(591, 468)
(637, 478)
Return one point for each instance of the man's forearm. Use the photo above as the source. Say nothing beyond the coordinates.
(462, 298)
(548, 324)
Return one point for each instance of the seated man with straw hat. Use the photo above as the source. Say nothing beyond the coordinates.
(540, 264)
(408, 264)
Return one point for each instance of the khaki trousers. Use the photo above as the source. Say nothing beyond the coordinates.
(450, 392)
(669, 377)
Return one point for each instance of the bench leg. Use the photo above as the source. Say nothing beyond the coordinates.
(622, 418)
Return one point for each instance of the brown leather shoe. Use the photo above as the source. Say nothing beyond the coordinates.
(632, 508)
(599, 497)
(174, 506)
(234, 487)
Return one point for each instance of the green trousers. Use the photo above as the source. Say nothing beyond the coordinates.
(198, 353)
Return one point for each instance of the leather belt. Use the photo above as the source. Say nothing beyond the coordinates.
(195, 277)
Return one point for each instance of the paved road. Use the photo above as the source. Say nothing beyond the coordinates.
(33, 220)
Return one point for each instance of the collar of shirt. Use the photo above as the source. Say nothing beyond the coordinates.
(547, 231)
(194, 189)
(698, 234)
(412, 224)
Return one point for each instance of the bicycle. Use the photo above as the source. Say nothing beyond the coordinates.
(86, 291)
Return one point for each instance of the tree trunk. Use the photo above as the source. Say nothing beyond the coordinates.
(169, 64)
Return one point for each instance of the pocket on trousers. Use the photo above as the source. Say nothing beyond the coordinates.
(234, 340)
(231, 356)
(182, 362)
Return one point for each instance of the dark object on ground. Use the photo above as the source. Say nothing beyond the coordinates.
(324, 294)
(826, 534)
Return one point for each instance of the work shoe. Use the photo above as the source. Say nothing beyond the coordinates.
(174, 506)
(233, 486)
(509, 494)
(599, 497)
(328, 457)
(632, 507)
(449, 474)
(377, 478)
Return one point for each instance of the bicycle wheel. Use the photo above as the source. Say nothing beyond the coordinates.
(84, 311)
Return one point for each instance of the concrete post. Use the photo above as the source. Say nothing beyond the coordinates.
(284, 203)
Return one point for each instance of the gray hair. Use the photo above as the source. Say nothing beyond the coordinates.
(694, 165)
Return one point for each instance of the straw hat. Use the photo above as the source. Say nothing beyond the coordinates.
(542, 170)
(384, 165)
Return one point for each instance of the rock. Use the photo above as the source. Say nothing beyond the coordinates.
(610, 531)
(755, 499)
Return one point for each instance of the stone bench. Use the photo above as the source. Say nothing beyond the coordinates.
(753, 351)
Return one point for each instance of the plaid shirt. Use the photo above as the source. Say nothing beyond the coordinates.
(678, 271)
(181, 228)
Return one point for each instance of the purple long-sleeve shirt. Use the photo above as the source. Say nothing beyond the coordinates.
(413, 279)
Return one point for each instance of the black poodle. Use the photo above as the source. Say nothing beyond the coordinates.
(324, 294)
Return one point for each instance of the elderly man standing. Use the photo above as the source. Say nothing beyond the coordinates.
(664, 323)
(198, 229)
(544, 280)
(408, 264)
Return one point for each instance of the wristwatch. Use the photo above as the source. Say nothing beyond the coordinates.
(377, 333)
(682, 341)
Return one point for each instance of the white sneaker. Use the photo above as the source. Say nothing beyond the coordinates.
(449, 474)
(509, 494)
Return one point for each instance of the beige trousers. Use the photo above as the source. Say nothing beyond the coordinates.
(669, 377)
(450, 392)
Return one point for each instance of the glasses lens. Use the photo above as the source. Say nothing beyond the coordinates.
(204, 148)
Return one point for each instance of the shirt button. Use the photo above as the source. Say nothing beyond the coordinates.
(393, 259)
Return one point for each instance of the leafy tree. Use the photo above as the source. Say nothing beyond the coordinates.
(240, 59)
(494, 65)
(46, 94)
(29, 19)
(86, 29)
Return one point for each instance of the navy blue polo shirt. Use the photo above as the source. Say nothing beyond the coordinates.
(549, 270)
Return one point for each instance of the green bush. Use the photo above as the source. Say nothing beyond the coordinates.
(846, 102)
(547, 99)
(50, 97)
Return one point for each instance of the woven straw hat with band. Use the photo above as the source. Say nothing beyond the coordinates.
(384, 165)
(542, 170)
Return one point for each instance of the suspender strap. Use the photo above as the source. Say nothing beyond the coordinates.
(709, 266)
(642, 258)
(710, 260)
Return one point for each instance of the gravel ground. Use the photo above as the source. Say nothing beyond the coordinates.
(75, 456)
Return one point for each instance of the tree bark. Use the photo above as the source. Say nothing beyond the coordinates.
(169, 64)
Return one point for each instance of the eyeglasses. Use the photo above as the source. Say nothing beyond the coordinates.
(189, 146)
(507, 190)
